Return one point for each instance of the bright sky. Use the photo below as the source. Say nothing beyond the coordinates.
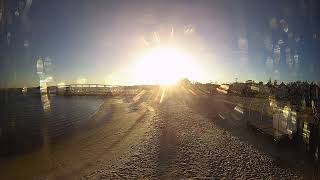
(131, 42)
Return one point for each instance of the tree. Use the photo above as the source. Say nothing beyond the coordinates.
(275, 82)
(269, 83)
(184, 82)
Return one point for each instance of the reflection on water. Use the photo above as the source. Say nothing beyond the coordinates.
(45, 102)
(30, 122)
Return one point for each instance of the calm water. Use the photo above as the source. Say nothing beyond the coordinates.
(25, 119)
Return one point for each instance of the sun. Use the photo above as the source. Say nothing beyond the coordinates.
(163, 65)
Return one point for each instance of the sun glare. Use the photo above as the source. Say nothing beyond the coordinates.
(163, 66)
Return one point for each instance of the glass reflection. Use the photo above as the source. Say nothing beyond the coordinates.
(45, 102)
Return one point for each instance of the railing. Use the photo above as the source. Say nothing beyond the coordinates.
(95, 89)
(85, 89)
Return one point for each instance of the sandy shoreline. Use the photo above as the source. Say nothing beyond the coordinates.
(143, 138)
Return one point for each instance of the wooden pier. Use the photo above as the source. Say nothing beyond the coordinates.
(97, 90)
(87, 89)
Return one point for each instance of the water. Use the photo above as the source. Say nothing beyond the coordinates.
(30, 121)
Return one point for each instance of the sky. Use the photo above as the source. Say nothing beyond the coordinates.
(102, 41)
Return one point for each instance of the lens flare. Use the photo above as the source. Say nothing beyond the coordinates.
(163, 66)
